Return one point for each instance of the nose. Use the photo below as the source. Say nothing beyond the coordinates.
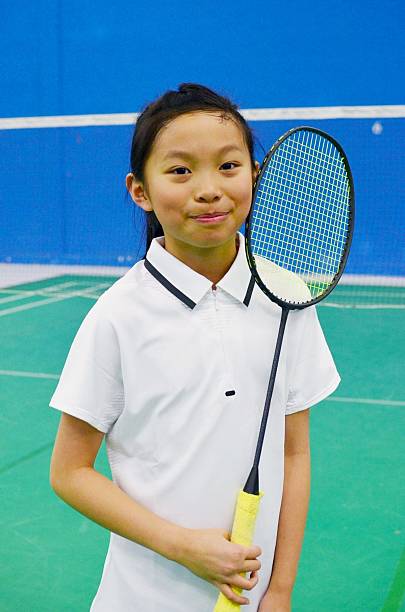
(207, 191)
(208, 196)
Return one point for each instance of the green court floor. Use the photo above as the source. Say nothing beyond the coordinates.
(353, 556)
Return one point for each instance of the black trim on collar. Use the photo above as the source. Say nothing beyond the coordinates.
(249, 291)
(168, 285)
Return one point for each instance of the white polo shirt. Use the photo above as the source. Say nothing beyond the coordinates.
(175, 372)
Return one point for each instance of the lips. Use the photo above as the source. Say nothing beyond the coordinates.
(217, 213)
(211, 218)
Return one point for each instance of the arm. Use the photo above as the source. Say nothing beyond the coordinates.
(208, 553)
(293, 513)
(75, 480)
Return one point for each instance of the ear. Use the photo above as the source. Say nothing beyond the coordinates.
(137, 192)
(256, 170)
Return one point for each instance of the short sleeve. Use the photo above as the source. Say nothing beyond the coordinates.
(90, 387)
(314, 375)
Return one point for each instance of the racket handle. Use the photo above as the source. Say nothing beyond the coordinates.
(247, 507)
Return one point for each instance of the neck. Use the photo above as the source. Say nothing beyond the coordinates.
(213, 263)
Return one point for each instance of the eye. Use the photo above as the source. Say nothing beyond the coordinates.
(229, 165)
(181, 170)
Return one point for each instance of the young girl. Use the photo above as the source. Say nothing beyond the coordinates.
(172, 365)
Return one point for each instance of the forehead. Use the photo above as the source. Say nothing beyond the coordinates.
(199, 132)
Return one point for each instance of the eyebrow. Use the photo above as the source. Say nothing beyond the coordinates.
(186, 155)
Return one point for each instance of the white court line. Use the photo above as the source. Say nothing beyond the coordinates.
(61, 298)
(387, 111)
(29, 374)
(8, 311)
(377, 281)
(373, 294)
(23, 295)
(362, 400)
(355, 306)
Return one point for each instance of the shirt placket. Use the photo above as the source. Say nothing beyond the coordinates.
(228, 382)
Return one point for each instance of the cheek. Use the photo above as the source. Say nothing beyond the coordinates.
(243, 190)
(167, 199)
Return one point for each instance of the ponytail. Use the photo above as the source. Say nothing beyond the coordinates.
(153, 229)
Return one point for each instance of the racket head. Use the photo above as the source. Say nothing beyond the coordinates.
(300, 225)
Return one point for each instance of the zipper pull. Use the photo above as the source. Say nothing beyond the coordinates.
(214, 293)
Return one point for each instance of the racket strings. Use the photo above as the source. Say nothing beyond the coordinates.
(300, 187)
(307, 234)
(332, 188)
(314, 177)
(300, 219)
(330, 230)
(326, 171)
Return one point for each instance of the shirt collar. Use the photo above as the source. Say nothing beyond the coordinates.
(190, 286)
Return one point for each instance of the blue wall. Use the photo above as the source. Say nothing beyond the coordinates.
(62, 193)
(77, 57)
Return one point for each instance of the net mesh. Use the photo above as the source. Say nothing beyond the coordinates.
(300, 218)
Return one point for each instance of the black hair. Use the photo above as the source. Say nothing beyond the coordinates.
(189, 97)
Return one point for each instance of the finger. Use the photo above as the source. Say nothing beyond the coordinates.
(243, 583)
(227, 591)
(253, 552)
(251, 566)
(232, 596)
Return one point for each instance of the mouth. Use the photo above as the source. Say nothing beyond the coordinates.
(211, 217)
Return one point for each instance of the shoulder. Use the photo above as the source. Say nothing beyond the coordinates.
(122, 295)
(282, 282)
(115, 306)
(303, 322)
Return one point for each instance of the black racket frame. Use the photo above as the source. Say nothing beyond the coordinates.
(252, 483)
(248, 225)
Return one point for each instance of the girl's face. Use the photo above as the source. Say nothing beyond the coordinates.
(199, 165)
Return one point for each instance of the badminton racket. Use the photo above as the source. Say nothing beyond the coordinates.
(298, 235)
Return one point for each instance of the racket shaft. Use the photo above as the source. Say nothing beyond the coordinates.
(246, 511)
(270, 388)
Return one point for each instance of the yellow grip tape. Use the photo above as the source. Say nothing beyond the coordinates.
(243, 528)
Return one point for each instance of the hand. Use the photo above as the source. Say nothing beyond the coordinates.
(209, 554)
(275, 602)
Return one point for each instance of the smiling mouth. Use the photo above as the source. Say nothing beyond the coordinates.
(210, 215)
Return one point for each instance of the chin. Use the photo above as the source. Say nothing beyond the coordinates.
(214, 238)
